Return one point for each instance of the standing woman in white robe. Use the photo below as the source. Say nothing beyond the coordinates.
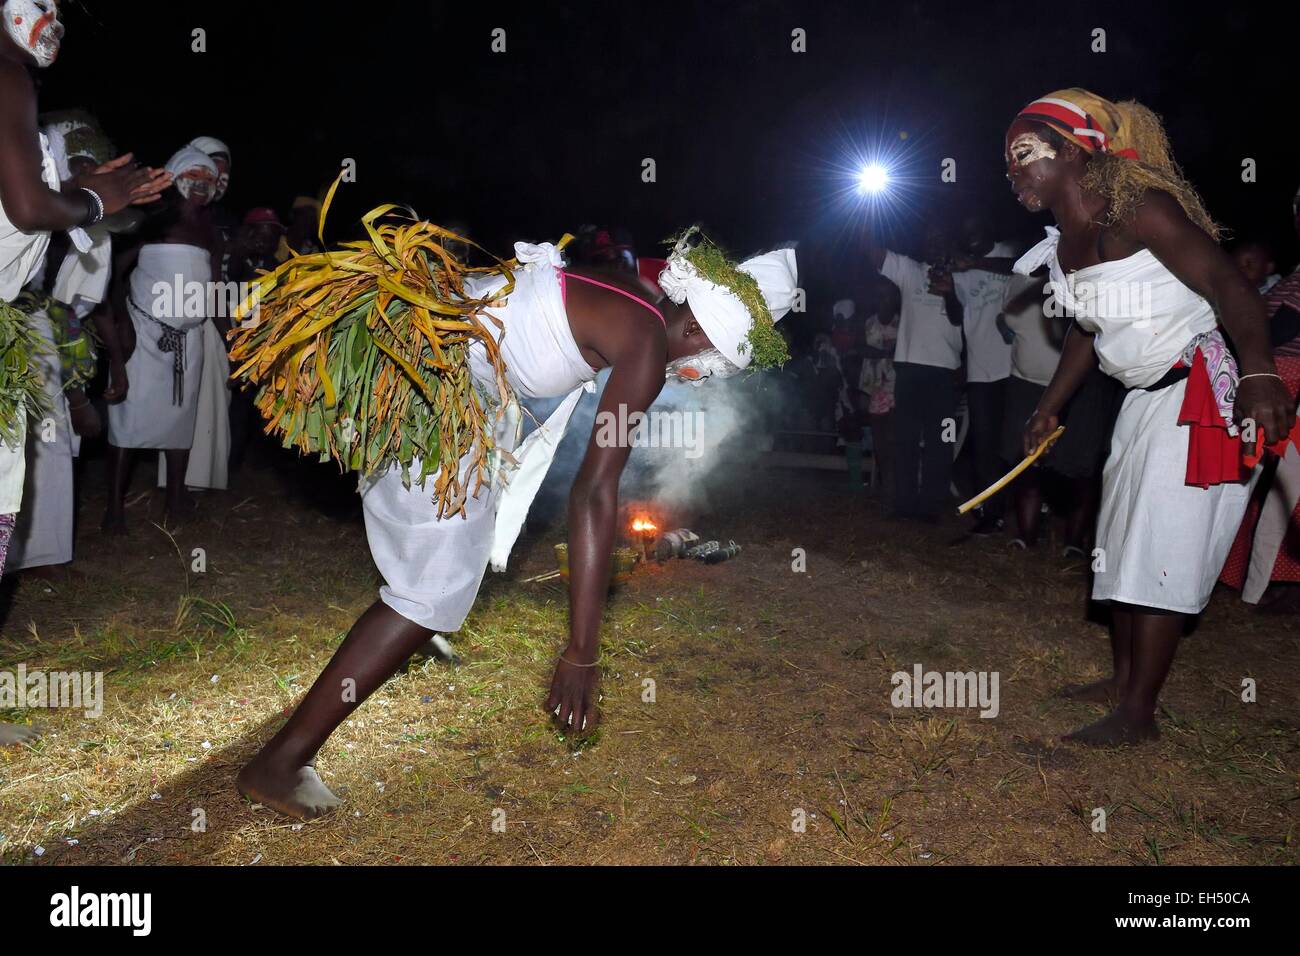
(43, 535)
(163, 288)
(210, 453)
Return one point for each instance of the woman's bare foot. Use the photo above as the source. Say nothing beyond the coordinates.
(437, 648)
(11, 734)
(296, 793)
(1115, 730)
(1108, 691)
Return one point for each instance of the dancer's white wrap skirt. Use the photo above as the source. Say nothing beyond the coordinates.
(1162, 542)
(210, 451)
(433, 568)
(43, 533)
(151, 416)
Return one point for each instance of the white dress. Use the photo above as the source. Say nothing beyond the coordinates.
(1162, 542)
(168, 307)
(43, 533)
(210, 453)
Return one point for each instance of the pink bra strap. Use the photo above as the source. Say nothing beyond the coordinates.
(639, 301)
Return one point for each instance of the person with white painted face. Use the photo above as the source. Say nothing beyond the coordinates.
(208, 462)
(162, 286)
(559, 327)
(1133, 262)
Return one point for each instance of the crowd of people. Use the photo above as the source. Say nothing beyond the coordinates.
(152, 288)
(125, 278)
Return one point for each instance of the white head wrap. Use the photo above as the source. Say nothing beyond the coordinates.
(721, 314)
(187, 158)
(844, 309)
(55, 134)
(210, 145)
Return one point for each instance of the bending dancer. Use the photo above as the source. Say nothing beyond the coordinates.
(1133, 260)
(561, 326)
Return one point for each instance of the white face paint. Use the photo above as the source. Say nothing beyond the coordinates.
(223, 174)
(1029, 148)
(696, 368)
(34, 25)
(196, 183)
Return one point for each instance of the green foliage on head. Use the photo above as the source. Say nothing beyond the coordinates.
(766, 345)
(84, 135)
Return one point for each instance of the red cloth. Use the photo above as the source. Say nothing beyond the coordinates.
(1286, 567)
(649, 269)
(1214, 457)
(1253, 458)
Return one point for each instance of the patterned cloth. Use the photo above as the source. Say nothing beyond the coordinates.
(6, 532)
(74, 342)
(1286, 566)
(1285, 293)
(1220, 369)
(877, 377)
(1214, 449)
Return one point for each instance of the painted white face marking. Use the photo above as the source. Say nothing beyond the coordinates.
(1029, 148)
(694, 369)
(34, 25)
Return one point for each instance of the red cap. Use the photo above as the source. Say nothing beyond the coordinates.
(262, 214)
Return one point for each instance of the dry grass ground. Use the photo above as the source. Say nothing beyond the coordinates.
(771, 697)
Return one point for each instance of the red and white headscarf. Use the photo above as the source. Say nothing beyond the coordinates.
(1093, 122)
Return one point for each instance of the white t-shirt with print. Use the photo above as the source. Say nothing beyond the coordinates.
(982, 294)
(1035, 353)
(925, 336)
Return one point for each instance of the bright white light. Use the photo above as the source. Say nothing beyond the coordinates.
(873, 178)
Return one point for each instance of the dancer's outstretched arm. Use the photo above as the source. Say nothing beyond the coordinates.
(1204, 267)
(1077, 360)
(634, 383)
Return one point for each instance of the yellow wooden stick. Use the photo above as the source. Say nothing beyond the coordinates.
(1011, 476)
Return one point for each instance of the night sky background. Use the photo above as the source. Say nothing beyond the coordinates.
(752, 139)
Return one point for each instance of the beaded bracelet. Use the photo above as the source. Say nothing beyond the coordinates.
(95, 207)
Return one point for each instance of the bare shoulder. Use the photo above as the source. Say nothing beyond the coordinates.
(1159, 214)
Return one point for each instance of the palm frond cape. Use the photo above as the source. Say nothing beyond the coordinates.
(21, 391)
(360, 354)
